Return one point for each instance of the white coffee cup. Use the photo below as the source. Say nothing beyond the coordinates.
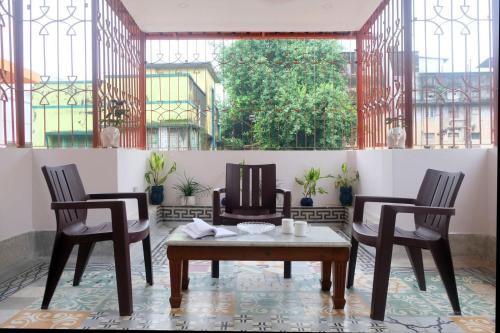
(301, 228)
(287, 226)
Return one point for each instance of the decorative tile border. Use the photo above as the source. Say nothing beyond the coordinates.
(332, 214)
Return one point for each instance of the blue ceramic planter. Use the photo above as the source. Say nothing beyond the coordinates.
(346, 196)
(156, 195)
(306, 202)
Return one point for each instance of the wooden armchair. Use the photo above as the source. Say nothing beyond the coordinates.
(250, 195)
(69, 201)
(432, 210)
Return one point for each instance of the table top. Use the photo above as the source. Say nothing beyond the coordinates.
(316, 237)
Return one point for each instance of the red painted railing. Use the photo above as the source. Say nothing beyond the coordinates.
(381, 73)
(431, 63)
(7, 107)
(429, 66)
(118, 72)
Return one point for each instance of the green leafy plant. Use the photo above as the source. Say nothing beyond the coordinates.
(155, 175)
(188, 186)
(309, 182)
(348, 177)
(117, 113)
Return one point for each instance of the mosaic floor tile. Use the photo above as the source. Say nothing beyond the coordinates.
(250, 296)
(474, 324)
(46, 319)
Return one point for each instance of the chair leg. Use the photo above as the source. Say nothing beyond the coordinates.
(215, 269)
(381, 281)
(84, 252)
(146, 247)
(287, 274)
(415, 255)
(60, 254)
(352, 262)
(123, 276)
(442, 257)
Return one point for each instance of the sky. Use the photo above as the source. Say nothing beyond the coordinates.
(64, 50)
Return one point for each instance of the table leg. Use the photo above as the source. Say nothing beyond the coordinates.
(185, 274)
(339, 273)
(175, 282)
(326, 275)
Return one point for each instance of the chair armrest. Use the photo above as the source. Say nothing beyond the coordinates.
(220, 190)
(388, 214)
(422, 210)
(360, 200)
(216, 205)
(141, 197)
(117, 207)
(287, 202)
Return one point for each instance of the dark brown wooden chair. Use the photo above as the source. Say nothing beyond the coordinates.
(432, 210)
(69, 202)
(250, 195)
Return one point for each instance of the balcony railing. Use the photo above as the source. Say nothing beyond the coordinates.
(433, 63)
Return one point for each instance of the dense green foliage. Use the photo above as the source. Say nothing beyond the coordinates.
(285, 94)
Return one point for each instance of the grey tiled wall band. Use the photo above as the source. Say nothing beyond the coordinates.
(333, 214)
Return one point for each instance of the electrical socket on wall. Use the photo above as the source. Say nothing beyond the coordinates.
(134, 189)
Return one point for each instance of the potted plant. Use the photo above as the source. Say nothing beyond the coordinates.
(345, 181)
(155, 177)
(113, 120)
(396, 136)
(309, 182)
(188, 188)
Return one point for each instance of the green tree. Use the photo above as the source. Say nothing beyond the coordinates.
(285, 94)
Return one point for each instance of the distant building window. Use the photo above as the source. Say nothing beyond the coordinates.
(475, 135)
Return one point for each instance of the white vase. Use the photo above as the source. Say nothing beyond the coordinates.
(188, 201)
(110, 137)
(396, 138)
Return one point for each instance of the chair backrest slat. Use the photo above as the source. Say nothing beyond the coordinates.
(255, 186)
(64, 185)
(245, 184)
(250, 188)
(438, 189)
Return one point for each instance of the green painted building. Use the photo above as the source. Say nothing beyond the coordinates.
(180, 106)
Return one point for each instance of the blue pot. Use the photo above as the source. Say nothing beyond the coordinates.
(346, 196)
(223, 201)
(306, 202)
(156, 195)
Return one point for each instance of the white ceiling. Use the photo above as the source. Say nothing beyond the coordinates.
(250, 15)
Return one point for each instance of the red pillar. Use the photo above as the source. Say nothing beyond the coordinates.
(17, 32)
(95, 75)
(359, 92)
(408, 71)
(142, 91)
(495, 71)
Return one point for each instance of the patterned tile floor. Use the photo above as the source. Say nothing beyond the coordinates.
(249, 296)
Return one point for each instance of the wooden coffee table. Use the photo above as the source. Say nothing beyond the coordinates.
(321, 244)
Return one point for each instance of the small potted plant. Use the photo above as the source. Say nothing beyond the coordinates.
(188, 188)
(155, 177)
(309, 182)
(113, 120)
(344, 182)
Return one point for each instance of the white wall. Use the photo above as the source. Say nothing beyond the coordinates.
(131, 166)
(25, 200)
(209, 168)
(400, 172)
(491, 176)
(15, 192)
